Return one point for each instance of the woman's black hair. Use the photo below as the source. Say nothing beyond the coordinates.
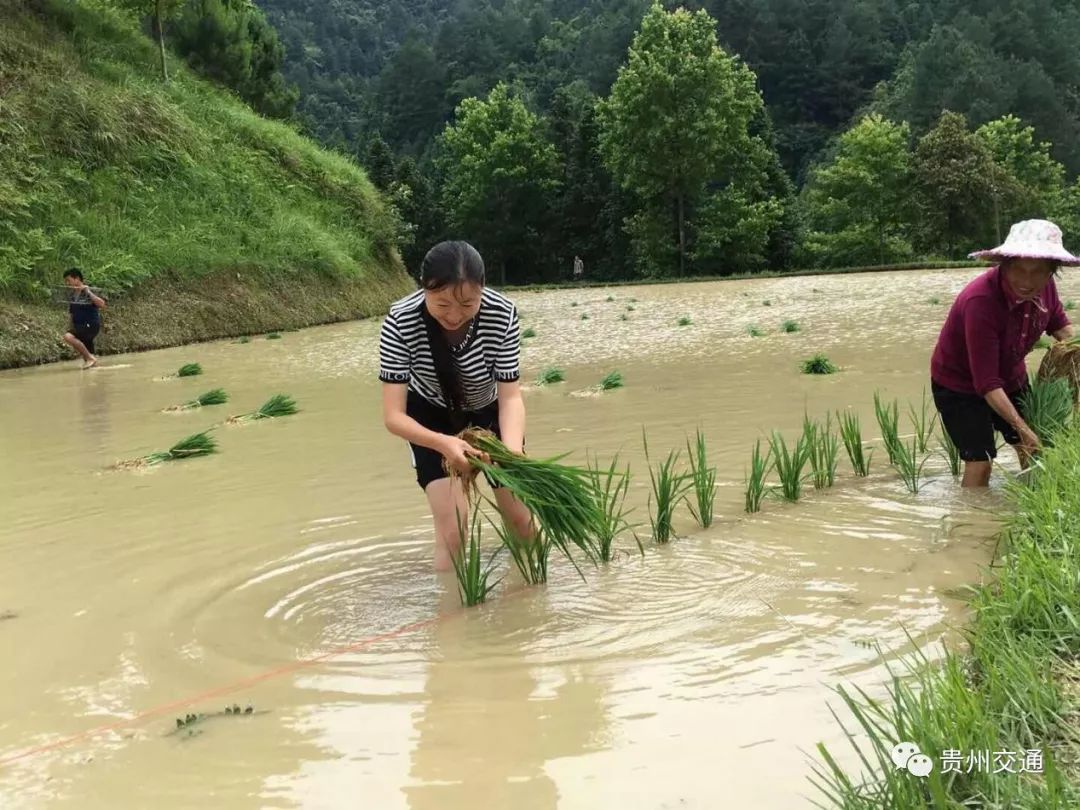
(449, 264)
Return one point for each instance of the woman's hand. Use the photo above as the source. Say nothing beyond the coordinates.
(457, 452)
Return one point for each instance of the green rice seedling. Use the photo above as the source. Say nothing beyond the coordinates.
(612, 488)
(923, 421)
(584, 316)
(244, 339)
(198, 444)
(703, 478)
(274, 336)
(611, 381)
(851, 433)
(563, 499)
(755, 331)
(756, 489)
(573, 303)
(819, 364)
(1047, 407)
(472, 572)
(530, 556)
(823, 448)
(951, 451)
(278, 405)
(888, 419)
(789, 327)
(668, 489)
(766, 303)
(684, 321)
(1042, 343)
(623, 317)
(908, 464)
(1070, 305)
(549, 376)
(935, 300)
(217, 396)
(189, 370)
(610, 298)
(630, 307)
(789, 464)
(633, 300)
(528, 332)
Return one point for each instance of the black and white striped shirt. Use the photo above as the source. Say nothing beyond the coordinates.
(490, 352)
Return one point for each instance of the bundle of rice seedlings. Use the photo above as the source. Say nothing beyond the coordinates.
(1047, 407)
(755, 331)
(278, 405)
(549, 376)
(789, 464)
(819, 364)
(1063, 361)
(189, 370)
(952, 453)
(668, 488)
(528, 332)
(243, 339)
(908, 465)
(851, 433)
(766, 303)
(703, 478)
(198, 444)
(923, 422)
(888, 419)
(469, 567)
(274, 336)
(611, 489)
(611, 381)
(563, 499)
(216, 396)
(684, 321)
(756, 490)
(789, 326)
(823, 448)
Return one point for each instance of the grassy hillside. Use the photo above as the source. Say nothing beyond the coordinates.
(162, 193)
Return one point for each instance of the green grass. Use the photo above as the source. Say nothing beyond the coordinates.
(198, 444)
(755, 331)
(612, 486)
(611, 381)
(669, 487)
(528, 332)
(823, 448)
(1009, 685)
(1047, 407)
(703, 479)
(756, 489)
(819, 364)
(550, 375)
(789, 327)
(909, 465)
(107, 168)
(189, 370)
(684, 321)
(472, 572)
(789, 464)
(888, 419)
(851, 433)
(923, 421)
(1070, 305)
(950, 450)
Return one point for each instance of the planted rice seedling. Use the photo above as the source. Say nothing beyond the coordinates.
(755, 331)
(610, 298)
(573, 303)
(789, 464)
(684, 321)
(530, 557)
(189, 370)
(243, 339)
(823, 448)
(908, 464)
(623, 317)
(278, 405)
(766, 303)
(528, 332)
(668, 488)
(703, 478)
(851, 433)
(888, 419)
(756, 489)
(584, 316)
(1070, 305)
(1048, 406)
(923, 422)
(952, 453)
(472, 572)
(935, 299)
(819, 364)
(630, 307)
(612, 487)
(611, 381)
(789, 327)
(549, 376)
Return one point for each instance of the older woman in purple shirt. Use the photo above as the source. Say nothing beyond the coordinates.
(977, 372)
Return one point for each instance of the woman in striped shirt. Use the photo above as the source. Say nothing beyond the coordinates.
(449, 358)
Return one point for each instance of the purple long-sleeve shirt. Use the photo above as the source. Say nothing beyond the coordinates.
(989, 331)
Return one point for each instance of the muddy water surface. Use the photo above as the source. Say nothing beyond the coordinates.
(291, 571)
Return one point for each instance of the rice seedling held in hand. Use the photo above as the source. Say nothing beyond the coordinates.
(563, 499)
(851, 433)
(823, 448)
(789, 464)
(819, 364)
(684, 321)
(756, 490)
(217, 396)
(611, 381)
(888, 419)
(469, 567)
(908, 464)
(668, 489)
(789, 327)
(528, 332)
(755, 331)
(703, 478)
(951, 451)
(549, 376)
(923, 422)
(1047, 406)
(277, 406)
(189, 370)
(612, 487)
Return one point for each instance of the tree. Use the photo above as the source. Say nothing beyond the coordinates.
(675, 129)
(379, 163)
(416, 199)
(499, 177)
(159, 11)
(956, 177)
(858, 205)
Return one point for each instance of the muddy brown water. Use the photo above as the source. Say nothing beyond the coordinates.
(699, 676)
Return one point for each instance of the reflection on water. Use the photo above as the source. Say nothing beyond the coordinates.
(295, 566)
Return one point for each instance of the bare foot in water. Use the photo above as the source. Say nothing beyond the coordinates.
(90, 363)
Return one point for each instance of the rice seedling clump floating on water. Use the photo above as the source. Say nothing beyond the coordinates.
(528, 332)
(549, 376)
(198, 444)
(684, 321)
(819, 364)
(216, 396)
(611, 381)
(274, 336)
(789, 326)
(277, 406)
(755, 331)
(189, 370)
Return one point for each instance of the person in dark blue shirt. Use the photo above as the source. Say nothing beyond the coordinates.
(85, 318)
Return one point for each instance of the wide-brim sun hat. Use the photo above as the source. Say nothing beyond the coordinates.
(1031, 239)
